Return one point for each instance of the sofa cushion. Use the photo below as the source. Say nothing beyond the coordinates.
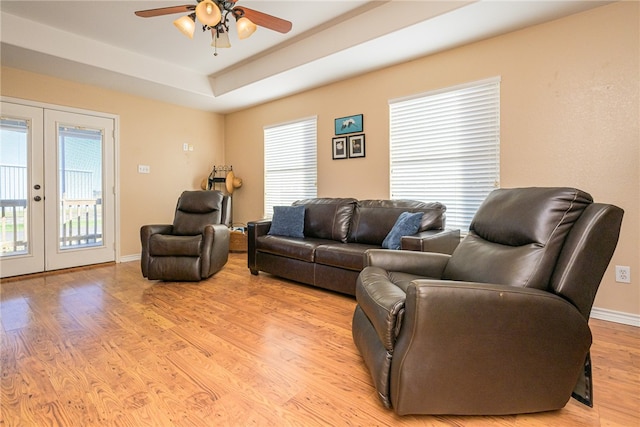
(287, 221)
(327, 218)
(302, 249)
(343, 255)
(373, 219)
(407, 224)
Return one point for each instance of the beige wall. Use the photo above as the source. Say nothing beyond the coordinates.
(570, 113)
(569, 117)
(151, 133)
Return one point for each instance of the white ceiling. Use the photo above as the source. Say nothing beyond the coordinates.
(103, 43)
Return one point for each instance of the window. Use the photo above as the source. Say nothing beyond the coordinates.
(445, 147)
(290, 163)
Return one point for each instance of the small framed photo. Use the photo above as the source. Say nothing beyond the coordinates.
(356, 145)
(339, 148)
(349, 124)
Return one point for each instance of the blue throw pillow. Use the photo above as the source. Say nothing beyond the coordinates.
(407, 224)
(287, 221)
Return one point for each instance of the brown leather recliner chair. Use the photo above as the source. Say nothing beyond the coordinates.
(501, 325)
(195, 246)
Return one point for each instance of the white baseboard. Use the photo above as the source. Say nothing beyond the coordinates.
(616, 316)
(130, 258)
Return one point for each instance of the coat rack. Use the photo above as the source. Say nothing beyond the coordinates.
(223, 179)
(217, 177)
(222, 176)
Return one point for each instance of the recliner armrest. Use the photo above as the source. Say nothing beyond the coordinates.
(146, 231)
(427, 264)
(215, 248)
(382, 302)
(442, 241)
(480, 332)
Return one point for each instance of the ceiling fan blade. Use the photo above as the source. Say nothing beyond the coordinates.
(265, 20)
(165, 11)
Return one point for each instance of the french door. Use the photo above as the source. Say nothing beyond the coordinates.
(56, 189)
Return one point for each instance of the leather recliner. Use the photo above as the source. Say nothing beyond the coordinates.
(195, 246)
(498, 327)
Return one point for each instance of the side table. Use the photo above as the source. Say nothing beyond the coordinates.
(237, 241)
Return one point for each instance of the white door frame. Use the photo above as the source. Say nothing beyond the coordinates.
(116, 154)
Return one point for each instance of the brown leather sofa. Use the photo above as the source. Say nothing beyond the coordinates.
(195, 246)
(501, 325)
(337, 232)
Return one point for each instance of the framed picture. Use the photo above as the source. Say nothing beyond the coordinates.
(349, 124)
(356, 145)
(340, 148)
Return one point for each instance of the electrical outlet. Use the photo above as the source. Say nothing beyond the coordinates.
(623, 274)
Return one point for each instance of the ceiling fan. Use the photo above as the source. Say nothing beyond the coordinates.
(214, 15)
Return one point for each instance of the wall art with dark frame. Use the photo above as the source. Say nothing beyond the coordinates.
(349, 124)
(339, 148)
(356, 146)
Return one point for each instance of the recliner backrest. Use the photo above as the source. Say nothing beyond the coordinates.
(195, 209)
(517, 235)
(586, 254)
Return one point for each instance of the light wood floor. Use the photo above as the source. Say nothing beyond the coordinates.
(103, 346)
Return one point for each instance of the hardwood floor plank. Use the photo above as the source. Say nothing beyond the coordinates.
(103, 346)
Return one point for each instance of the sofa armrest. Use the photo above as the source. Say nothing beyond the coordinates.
(441, 241)
(259, 227)
(255, 229)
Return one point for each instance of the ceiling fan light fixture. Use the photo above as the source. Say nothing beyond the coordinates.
(245, 27)
(186, 24)
(220, 38)
(208, 13)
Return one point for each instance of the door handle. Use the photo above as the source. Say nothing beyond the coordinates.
(37, 198)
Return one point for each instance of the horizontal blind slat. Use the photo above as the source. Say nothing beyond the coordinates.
(445, 147)
(290, 163)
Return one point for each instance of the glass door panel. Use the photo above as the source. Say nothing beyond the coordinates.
(14, 137)
(80, 187)
(21, 190)
(80, 214)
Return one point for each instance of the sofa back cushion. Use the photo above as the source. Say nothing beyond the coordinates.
(327, 218)
(373, 219)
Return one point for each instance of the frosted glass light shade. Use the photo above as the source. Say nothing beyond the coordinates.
(186, 25)
(220, 39)
(208, 13)
(245, 27)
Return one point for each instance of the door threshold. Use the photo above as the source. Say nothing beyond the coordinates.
(53, 272)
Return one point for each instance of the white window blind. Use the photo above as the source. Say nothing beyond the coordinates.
(445, 147)
(290, 163)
